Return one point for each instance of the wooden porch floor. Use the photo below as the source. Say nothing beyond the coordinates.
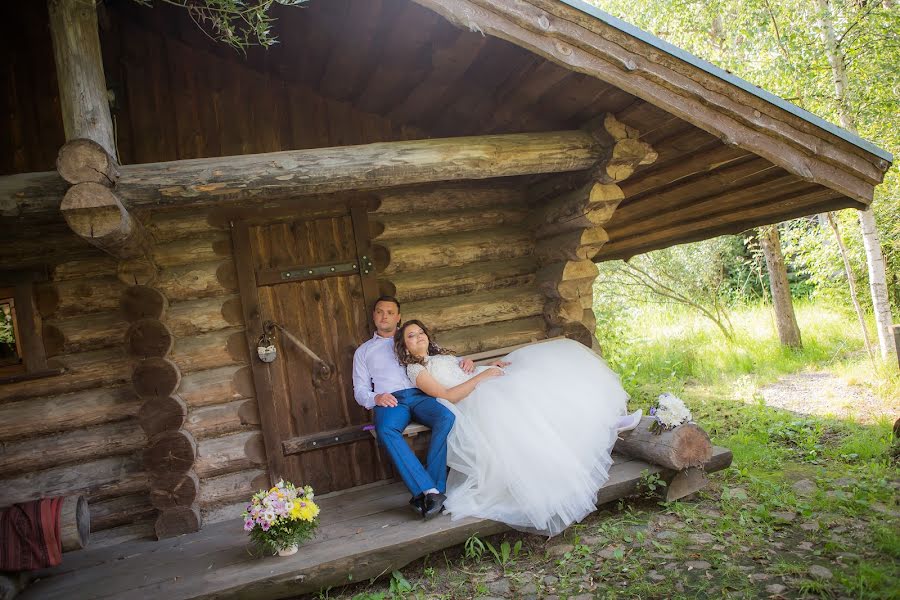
(364, 533)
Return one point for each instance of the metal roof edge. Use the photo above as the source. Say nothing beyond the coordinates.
(710, 68)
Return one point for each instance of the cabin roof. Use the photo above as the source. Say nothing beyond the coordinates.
(728, 77)
(731, 156)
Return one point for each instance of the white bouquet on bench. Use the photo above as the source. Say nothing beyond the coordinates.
(669, 412)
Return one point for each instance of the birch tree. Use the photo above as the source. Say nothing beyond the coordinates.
(874, 257)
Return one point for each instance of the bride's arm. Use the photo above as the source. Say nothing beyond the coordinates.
(430, 385)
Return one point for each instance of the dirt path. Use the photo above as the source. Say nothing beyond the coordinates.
(825, 394)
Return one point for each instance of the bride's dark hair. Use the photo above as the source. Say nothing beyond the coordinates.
(403, 355)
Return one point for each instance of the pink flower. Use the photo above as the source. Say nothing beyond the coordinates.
(266, 525)
(248, 525)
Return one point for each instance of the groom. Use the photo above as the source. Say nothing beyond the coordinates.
(381, 383)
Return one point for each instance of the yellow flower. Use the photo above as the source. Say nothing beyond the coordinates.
(305, 511)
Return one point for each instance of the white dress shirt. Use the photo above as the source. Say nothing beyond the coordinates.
(376, 370)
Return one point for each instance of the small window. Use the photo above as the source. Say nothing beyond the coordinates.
(11, 360)
(22, 353)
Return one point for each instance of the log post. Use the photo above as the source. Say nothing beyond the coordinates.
(569, 226)
(87, 160)
(79, 72)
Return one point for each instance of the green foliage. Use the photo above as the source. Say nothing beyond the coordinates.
(283, 534)
(650, 484)
(579, 560)
(238, 23)
(802, 435)
(399, 585)
(474, 548)
(7, 330)
(506, 556)
(691, 275)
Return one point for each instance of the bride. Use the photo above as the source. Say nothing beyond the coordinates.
(533, 436)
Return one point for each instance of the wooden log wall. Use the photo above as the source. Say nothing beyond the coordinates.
(460, 258)
(569, 228)
(77, 433)
(80, 432)
(84, 431)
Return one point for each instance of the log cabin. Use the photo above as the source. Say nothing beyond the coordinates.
(167, 202)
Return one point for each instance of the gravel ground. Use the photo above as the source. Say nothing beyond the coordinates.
(824, 394)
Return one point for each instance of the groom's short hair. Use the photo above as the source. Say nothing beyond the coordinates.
(387, 298)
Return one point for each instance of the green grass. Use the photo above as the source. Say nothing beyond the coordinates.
(671, 345)
(757, 529)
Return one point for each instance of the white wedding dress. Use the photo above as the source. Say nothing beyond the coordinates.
(532, 447)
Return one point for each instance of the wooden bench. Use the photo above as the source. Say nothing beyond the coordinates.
(480, 359)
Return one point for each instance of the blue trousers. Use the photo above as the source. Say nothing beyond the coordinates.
(414, 404)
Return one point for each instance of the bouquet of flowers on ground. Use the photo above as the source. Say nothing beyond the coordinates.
(282, 518)
(669, 412)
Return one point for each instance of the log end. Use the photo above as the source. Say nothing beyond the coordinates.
(157, 415)
(177, 521)
(74, 523)
(170, 452)
(149, 337)
(154, 377)
(84, 160)
(143, 302)
(177, 493)
(694, 446)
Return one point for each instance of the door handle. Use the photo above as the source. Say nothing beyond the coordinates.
(323, 369)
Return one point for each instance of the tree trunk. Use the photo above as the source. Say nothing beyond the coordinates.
(874, 255)
(851, 280)
(785, 319)
(877, 281)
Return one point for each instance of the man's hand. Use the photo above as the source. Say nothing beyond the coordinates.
(501, 363)
(387, 400)
(467, 366)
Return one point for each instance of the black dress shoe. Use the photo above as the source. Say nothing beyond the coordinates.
(417, 503)
(434, 505)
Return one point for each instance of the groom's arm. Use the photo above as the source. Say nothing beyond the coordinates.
(362, 381)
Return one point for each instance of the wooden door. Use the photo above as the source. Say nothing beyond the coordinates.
(314, 277)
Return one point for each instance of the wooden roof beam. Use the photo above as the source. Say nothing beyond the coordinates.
(713, 225)
(261, 177)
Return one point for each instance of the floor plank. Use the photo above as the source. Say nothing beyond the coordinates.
(363, 533)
